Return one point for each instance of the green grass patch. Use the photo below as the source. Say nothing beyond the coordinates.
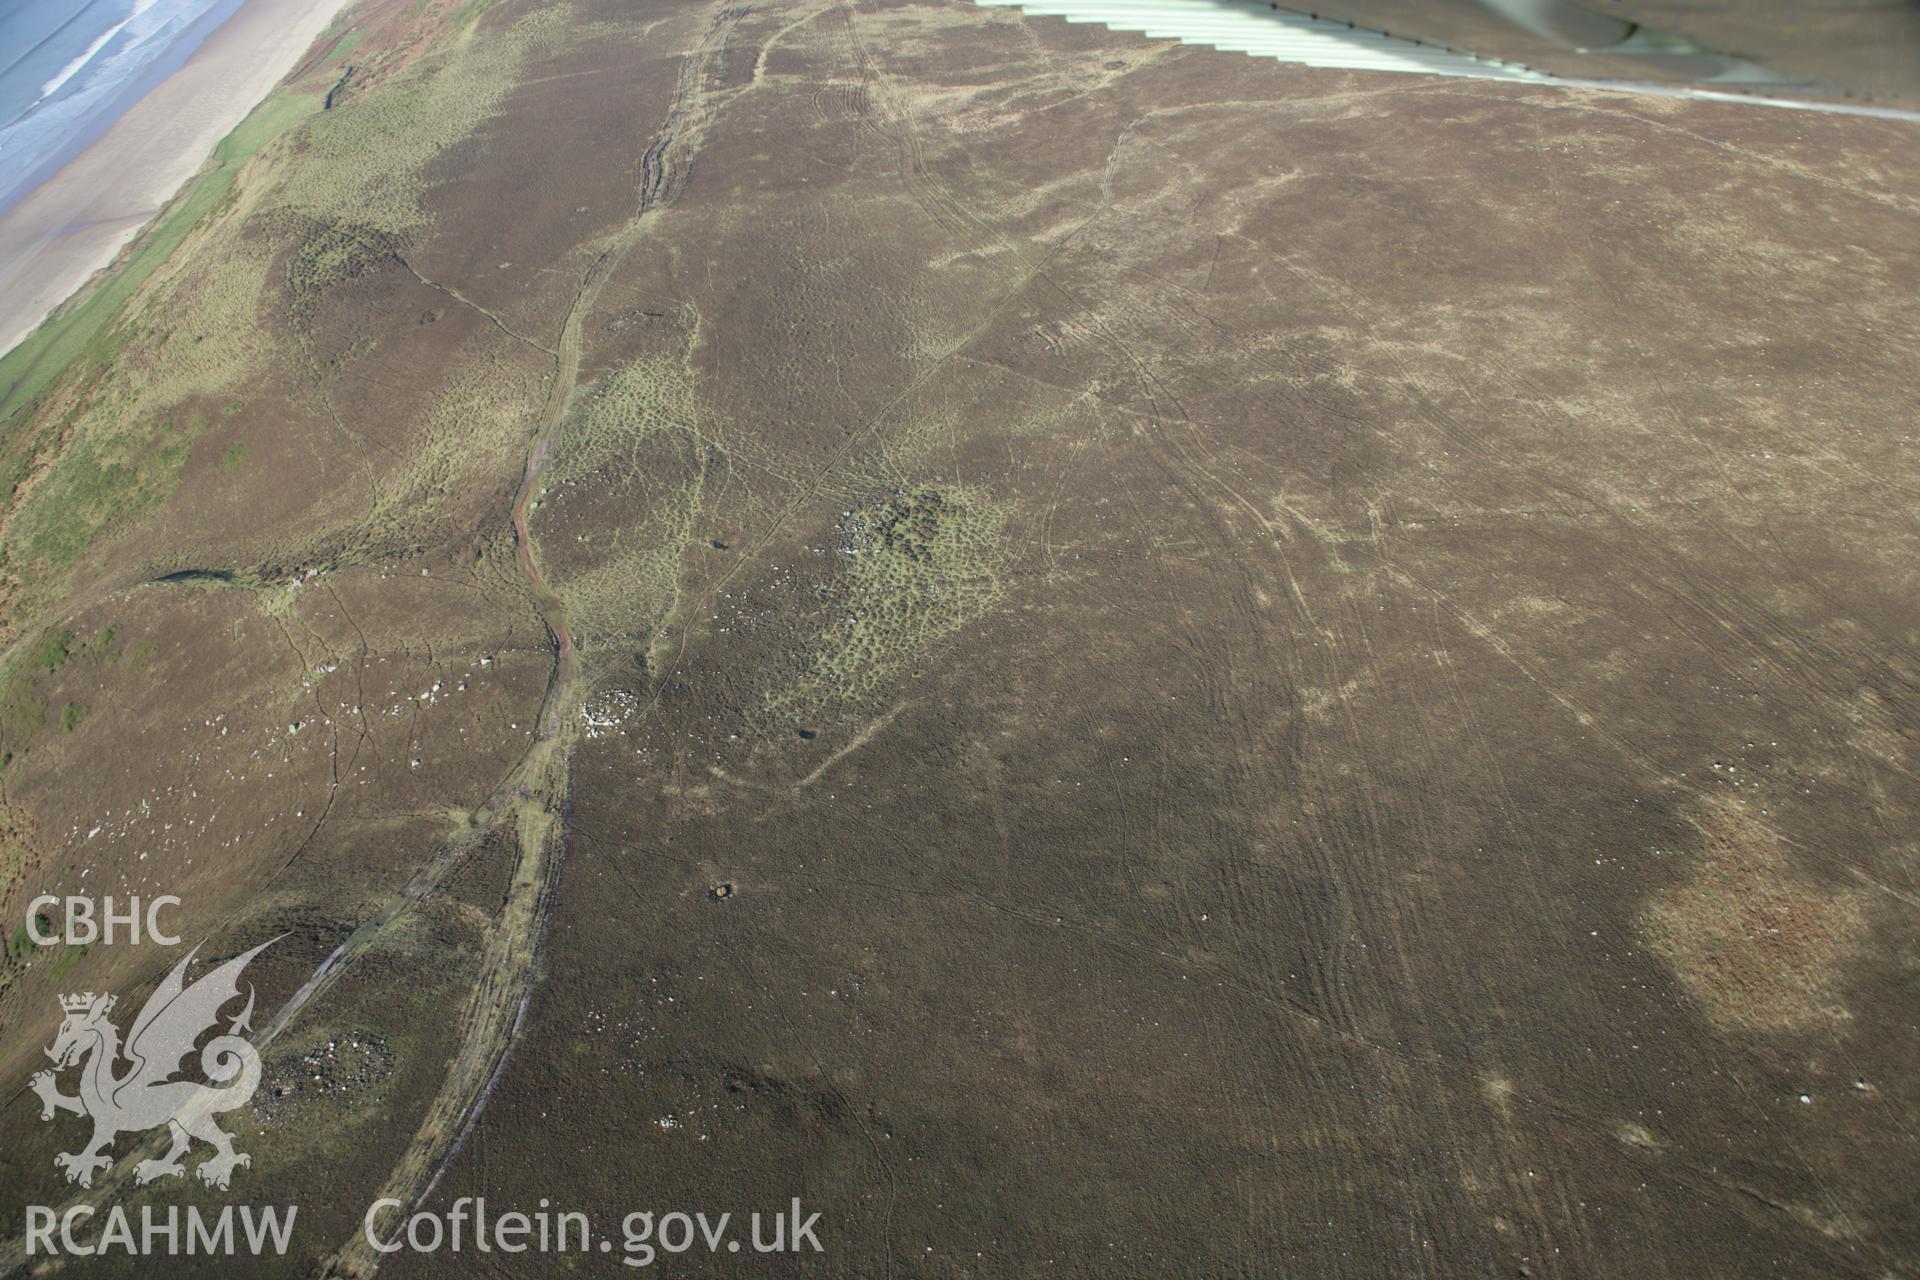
(52, 652)
(23, 700)
(94, 484)
(277, 112)
(67, 959)
(234, 457)
(21, 944)
(23, 708)
(346, 45)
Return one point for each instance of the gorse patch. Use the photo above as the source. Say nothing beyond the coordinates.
(916, 566)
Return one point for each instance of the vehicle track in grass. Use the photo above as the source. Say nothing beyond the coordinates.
(537, 790)
(534, 792)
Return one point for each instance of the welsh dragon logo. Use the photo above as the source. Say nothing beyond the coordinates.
(146, 1094)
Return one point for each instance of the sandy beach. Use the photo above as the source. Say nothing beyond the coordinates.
(72, 225)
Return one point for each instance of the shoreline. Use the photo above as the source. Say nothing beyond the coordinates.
(60, 235)
(177, 56)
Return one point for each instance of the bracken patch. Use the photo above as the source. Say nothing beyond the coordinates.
(1757, 945)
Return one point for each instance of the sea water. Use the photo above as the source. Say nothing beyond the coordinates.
(69, 68)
